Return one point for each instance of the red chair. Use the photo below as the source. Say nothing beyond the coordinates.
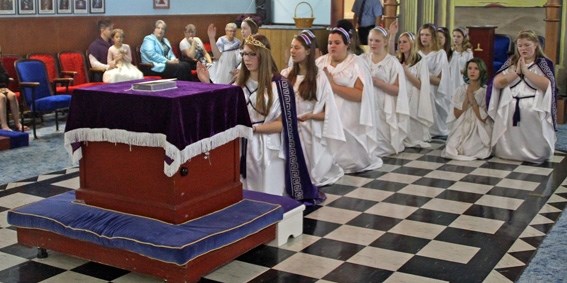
(60, 81)
(8, 61)
(73, 61)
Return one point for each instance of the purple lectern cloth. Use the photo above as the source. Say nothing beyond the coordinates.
(186, 121)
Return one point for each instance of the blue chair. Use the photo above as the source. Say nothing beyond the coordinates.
(37, 91)
(503, 48)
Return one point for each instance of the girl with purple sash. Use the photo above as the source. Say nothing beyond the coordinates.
(522, 104)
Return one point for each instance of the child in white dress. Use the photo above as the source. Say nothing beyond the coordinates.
(121, 57)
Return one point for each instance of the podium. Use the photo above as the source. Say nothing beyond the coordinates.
(482, 40)
(168, 159)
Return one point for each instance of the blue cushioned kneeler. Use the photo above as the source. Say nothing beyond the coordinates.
(287, 203)
(17, 138)
(171, 243)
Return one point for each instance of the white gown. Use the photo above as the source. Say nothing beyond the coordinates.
(469, 138)
(124, 70)
(265, 164)
(421, 109)
(392, 112)
(438, 65)
(313, 134)
(457, 66)
(533, 139)
(356, 154)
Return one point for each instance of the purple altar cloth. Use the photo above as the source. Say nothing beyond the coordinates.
(186, 121)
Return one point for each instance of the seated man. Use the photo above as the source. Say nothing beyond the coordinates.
(98, 50)
(156, 50)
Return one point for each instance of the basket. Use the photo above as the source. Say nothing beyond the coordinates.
(303, 22)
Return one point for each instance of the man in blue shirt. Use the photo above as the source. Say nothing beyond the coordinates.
(367, 15)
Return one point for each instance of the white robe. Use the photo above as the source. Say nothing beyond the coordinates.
(421, 109)
(457, 66)
(220, 70)
(124, 70)
(265, 164)
(392, 112)
(533, 139)
(469, 138)
(438, 65)
(313, 134)
(356, 154)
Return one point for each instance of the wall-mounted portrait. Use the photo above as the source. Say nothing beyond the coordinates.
(161, 4)
(26, 7)
(80, 6)
(7, 7)
(97, 6)
(46, 6)
(64, 7)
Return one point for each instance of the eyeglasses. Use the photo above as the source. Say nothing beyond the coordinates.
(250, 54)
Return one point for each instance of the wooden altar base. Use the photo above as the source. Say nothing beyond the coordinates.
(131, 179)
(190, 272)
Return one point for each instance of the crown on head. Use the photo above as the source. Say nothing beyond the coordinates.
(252, 41)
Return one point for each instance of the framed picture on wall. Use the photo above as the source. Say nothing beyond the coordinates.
(46, 6)
(80, 6)
(7, 7)
(64, 7)
(97, 6)
(161, 4)
(26, 7)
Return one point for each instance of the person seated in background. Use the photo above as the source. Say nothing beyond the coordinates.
(156, 50)
(8, 97)
(98, 49)
(192, 48)
(121, 57)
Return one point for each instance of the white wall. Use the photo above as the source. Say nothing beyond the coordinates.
(283, 11)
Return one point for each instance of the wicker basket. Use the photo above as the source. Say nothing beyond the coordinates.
(303, 22)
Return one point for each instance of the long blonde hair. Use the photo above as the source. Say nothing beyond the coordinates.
(531, 36)
(266, 70)
(414, 57)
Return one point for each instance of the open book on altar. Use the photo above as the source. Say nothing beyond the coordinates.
(156, 85)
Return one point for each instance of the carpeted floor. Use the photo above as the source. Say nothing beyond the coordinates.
(561, 143)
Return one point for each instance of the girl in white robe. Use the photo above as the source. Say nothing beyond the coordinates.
(350, 81)
(471, 128)
(438, 76)
(318, 117)
(522, 104)
(390, 97)
(121, 55)
(462, 53)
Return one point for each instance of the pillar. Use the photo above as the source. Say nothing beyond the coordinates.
(552, 28)
(390, 12)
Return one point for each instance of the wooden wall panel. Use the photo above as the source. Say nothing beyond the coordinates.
(54, 34)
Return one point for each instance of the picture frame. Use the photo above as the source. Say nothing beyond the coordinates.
(97, 6)
(26, 7)
(46, 7)
(64, 6)
(161, 4)
(7, 7)
(80, 6)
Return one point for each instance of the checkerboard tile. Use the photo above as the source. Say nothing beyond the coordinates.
(419, 218)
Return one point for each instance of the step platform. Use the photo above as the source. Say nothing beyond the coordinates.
(16, 139)
(175, 252)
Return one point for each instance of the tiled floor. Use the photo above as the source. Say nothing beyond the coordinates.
(419, 218)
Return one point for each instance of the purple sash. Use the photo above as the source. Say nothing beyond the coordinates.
(298, 181)
(548, 69)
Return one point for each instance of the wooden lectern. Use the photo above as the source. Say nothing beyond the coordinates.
(482, 40)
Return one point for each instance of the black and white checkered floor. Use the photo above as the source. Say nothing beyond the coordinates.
(419, 218)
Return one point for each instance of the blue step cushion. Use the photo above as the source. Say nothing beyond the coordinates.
(17, 138)
(287, 203)
(177, 244)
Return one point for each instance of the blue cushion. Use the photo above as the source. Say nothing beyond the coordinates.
(155, 239)
(50, 103)
(287, 203)
(17, 138)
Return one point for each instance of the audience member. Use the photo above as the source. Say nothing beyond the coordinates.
(438, 77)
(367, 15)
(351, 83)
(274, 161)
(390, 96)
(7, 97)
(98, 49)
(192, 48)
(470, 126)
(522, 103)
(316, 109)
(156, 50)
(120, 55)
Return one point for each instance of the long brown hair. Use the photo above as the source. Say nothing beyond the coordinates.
(434, 41)
(266, 70)
(308, 87)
